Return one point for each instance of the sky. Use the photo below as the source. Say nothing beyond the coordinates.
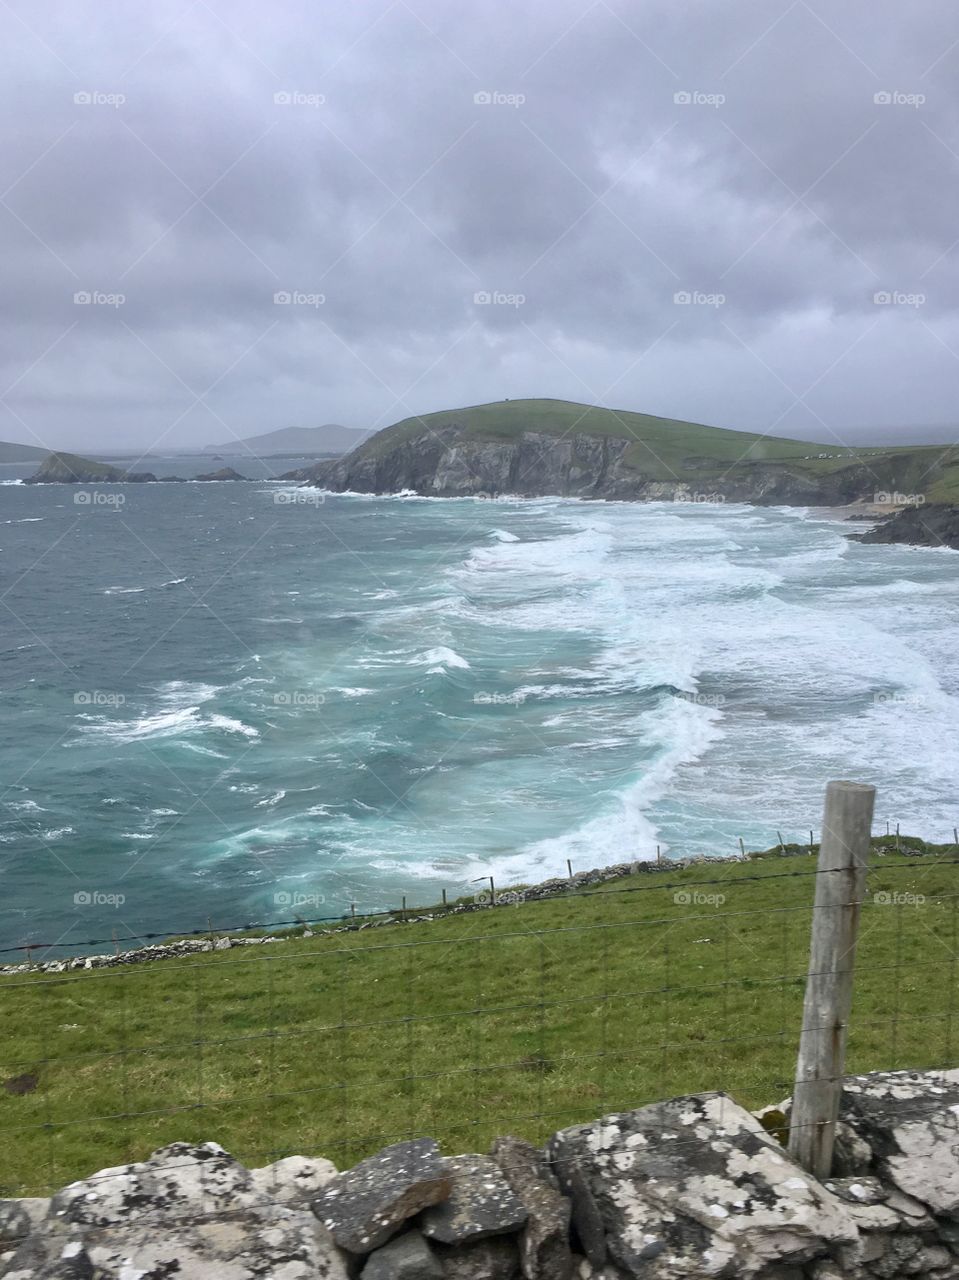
(218, 219)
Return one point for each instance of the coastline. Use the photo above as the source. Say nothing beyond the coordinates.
(579, 884)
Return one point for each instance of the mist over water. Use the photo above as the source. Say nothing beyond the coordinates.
(235, 702)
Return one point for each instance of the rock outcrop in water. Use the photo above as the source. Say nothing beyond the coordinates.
(224, 473)
(931, 525)
(690, 1189)
(68, 468)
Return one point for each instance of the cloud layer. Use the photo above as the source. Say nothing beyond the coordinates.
(283, 216)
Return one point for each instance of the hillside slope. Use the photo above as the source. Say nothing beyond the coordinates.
(557, 447)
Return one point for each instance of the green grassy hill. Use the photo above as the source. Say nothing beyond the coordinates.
(667, 448)
(521, 1019)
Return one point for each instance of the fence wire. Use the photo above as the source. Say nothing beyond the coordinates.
(510, 1019)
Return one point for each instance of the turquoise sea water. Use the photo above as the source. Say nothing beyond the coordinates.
(237, 702)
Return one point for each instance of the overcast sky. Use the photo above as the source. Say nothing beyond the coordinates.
(387, 166)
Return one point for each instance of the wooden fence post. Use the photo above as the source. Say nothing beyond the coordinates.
(840, 884)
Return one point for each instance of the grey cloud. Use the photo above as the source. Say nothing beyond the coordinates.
(597, 197)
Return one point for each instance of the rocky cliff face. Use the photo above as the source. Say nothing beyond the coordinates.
(447, 464)
(923, 526)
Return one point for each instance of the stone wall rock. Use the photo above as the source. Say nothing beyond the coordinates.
(690, 1189)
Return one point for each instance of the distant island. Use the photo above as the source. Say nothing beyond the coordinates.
(11, 452)
(301, 442)
(69, 468)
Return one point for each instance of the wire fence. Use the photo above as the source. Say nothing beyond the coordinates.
(520, 1018)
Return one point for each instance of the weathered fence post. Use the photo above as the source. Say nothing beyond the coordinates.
(840, 884)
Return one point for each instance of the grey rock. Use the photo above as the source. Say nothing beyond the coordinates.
(52, 1257)
(367, 1204)
(293, 1181)
(15, 1222)
(493, 1259)
(481, 1203)
(406, 1257)
(192, 1209)
(544, 1241)
(913, 1216)
(852, 1155)
(861, 1191)
(910, 1120)
(693, 1187)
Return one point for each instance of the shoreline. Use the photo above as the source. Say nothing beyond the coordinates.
(191, 944)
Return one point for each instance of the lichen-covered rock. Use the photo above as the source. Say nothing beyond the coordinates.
(367, 1204)
(694, 1187)
(294, 1181)
(405, 1257)
(910, 1120)
(192, 1211)
(544, 1241)
(480, 1203)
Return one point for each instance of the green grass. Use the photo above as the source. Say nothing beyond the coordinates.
(668, 448)
(522, 1019)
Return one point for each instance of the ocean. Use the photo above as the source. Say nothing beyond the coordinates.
(239, 703)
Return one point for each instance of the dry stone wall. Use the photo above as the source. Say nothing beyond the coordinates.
(692, 1188)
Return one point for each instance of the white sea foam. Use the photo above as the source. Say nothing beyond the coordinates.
(230, 725)
(441, 659)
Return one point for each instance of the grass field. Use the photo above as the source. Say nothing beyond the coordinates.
(520, 1019)
(667, 448)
